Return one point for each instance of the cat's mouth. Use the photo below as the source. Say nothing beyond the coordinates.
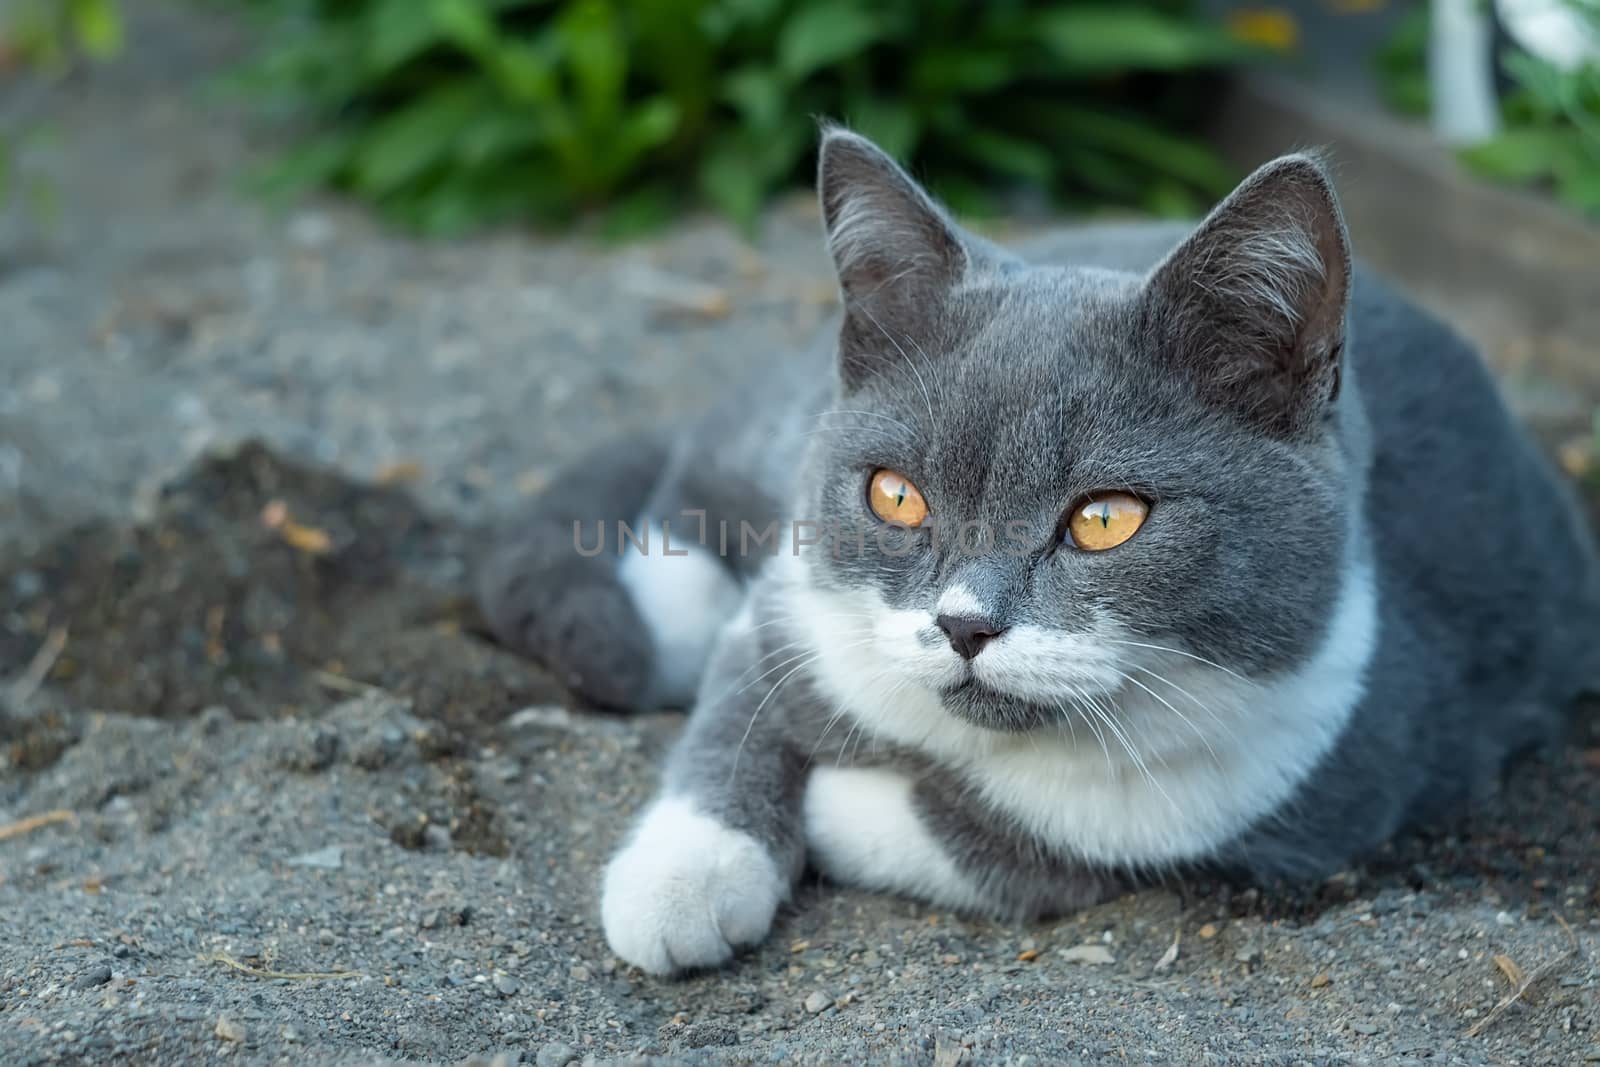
(993, 709)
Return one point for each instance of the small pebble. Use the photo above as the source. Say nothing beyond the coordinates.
(1208, 931)
(818, 1002)
(430, 919)
(548, 717)
(1365, 1028)
(323, 859)
(1505, 918)
(506, 985)
(1095, 955)
(96, 976)
(436, 837)
(579, 973)
(229, 1030)
(311, 230)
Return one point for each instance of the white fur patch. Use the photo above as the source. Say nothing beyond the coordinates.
(684, 600)
(685, 890)
(962, 602)
(862, 829)
(1191, 757)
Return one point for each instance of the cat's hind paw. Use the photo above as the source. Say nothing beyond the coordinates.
(686, 891)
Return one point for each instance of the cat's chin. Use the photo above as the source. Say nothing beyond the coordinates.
(974, 702)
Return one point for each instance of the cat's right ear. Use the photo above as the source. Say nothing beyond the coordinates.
(896, 252)
(1253, 303)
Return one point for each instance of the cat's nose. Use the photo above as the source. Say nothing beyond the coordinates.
(968, 633)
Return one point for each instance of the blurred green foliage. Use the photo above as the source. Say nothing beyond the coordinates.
(448, 114)
(1401, 64)
(54, 34)
(50, 35)
(1551, 132)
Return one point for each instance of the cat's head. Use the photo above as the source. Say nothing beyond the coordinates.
(1038, 478)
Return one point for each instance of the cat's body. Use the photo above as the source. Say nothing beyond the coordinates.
(1358, 590)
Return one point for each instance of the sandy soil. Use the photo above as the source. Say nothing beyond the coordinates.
(267, 795)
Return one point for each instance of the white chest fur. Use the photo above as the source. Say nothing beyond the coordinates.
(1155, 791)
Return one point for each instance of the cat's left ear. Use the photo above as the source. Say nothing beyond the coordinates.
(897, 253)
(1253, 304)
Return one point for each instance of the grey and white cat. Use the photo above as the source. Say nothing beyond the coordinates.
(1155, 547)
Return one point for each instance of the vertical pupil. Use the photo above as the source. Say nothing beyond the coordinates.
(900, 497)
(1105, 516)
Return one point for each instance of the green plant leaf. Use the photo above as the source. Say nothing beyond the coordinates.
(1401, 64)
(819, 35)
(1517, 155)
(1581, 189)
(596, 55)
(411, 140)
(457, 113)
(638, 213)
(401, 30)
(1106, 39)
(650, 125)
(722, 19)
(1011, 156)
(731, 184)
(465, 22)
(758, 94)
(894, 125)
(952, 69)
(524, 74)
(497, 135)
(304, 167)
(97, 26)
(1544, 86)
(1154, 149)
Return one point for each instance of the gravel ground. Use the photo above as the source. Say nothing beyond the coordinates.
(289, 806)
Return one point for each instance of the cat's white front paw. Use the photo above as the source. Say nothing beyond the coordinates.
(686, 890)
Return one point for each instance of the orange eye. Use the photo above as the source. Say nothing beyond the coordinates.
(1106, 520)
(893, 498)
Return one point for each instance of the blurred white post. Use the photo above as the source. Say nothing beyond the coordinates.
(1461, 72)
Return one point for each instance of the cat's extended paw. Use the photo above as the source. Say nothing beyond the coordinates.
(686, 891)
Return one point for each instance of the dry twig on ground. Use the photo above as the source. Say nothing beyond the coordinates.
(34, 822)
(259, 972)
(1529, 979)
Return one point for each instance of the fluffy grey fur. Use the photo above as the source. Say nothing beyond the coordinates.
(1360, 588)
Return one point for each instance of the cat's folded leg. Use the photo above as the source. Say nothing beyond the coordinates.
(545, 594)
(709, 862)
